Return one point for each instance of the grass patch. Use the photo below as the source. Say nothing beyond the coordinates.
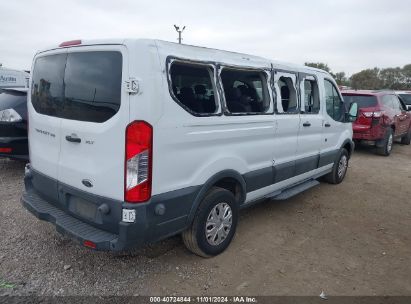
(6, 285)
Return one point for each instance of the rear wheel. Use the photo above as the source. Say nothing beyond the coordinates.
(214, 224)
(406, 139)
(340, 167)
(388, 141)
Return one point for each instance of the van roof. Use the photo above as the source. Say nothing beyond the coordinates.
(172, 46)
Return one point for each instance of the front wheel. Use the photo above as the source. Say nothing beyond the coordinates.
(340, 167)
(214, 224)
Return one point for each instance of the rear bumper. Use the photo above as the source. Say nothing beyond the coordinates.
(52, 201)
(68, 225)
(18, 146)
(373, 133)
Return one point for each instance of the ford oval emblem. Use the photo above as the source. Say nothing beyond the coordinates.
(87, 183)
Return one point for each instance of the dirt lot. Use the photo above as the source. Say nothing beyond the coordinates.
(349, 239)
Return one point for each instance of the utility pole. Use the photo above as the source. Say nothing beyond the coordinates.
(179, 32)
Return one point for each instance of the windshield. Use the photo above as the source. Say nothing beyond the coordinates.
(363, 101)
(83, 86)
(406, 98)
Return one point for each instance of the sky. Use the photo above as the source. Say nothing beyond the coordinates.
(348, 35)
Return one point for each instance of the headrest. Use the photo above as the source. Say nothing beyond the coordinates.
(285, 92)
(200, 89)
(186, 91)
(234, 93)
(243, 89)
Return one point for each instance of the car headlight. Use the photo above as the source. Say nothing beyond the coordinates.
(10, 115)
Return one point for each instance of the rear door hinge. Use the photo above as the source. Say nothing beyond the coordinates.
(132, 86)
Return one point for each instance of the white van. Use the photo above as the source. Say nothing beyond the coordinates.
(133, 141)
(13, 78)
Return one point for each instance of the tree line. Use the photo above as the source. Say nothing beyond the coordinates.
(371, 79)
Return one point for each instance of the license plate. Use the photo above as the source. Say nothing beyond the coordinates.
(84, 208)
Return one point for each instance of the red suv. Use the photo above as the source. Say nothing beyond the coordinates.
(382, 117)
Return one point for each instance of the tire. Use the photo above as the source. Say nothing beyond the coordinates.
(388, 142)
(406, 139)
(195, 237)
(340, 167)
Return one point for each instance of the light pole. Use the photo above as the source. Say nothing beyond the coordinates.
(179, 32)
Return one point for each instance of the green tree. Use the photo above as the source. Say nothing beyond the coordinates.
(341, 79)
(392, 78)
(367, 80)
(406, 71)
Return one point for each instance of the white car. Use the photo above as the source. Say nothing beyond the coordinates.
(133, 141)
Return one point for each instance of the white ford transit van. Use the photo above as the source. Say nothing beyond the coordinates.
(132, 141)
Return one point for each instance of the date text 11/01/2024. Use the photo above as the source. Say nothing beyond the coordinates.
(203, 299)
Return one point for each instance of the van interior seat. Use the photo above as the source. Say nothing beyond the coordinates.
(285, 97)
(200, 89)
(236, 102)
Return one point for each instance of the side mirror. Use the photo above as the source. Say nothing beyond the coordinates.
(352, 112)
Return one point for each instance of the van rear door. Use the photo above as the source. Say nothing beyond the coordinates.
(43, 106)
(94, 119)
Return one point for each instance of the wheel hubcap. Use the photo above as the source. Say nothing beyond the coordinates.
(218, 224)
(342, 166)
(389, 144)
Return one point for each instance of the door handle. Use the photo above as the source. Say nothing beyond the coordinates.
(73, 139)
(306, 124)
(327, 125)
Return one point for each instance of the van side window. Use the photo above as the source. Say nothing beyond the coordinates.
(193, 87)
(245, 91)
(311, 95)
(287, 101)
(334, 104)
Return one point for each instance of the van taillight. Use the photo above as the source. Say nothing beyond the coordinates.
(138, 162)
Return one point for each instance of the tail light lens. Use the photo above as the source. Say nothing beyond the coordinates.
(138, 163)
(376, 114)
(367, 114)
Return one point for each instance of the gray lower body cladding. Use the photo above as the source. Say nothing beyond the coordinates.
(80, 215)
(76, 213)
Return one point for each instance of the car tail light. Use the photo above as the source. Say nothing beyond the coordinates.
(70, 43)
(138, 162)
(5, 150)
(376, 114)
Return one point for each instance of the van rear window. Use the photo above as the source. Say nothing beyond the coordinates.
(83, 86)
(363, 101)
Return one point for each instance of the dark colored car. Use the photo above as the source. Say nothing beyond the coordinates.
(382, 118)
(405, 96)
(13, 123)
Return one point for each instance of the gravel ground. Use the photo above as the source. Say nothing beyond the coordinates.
(348, 239)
